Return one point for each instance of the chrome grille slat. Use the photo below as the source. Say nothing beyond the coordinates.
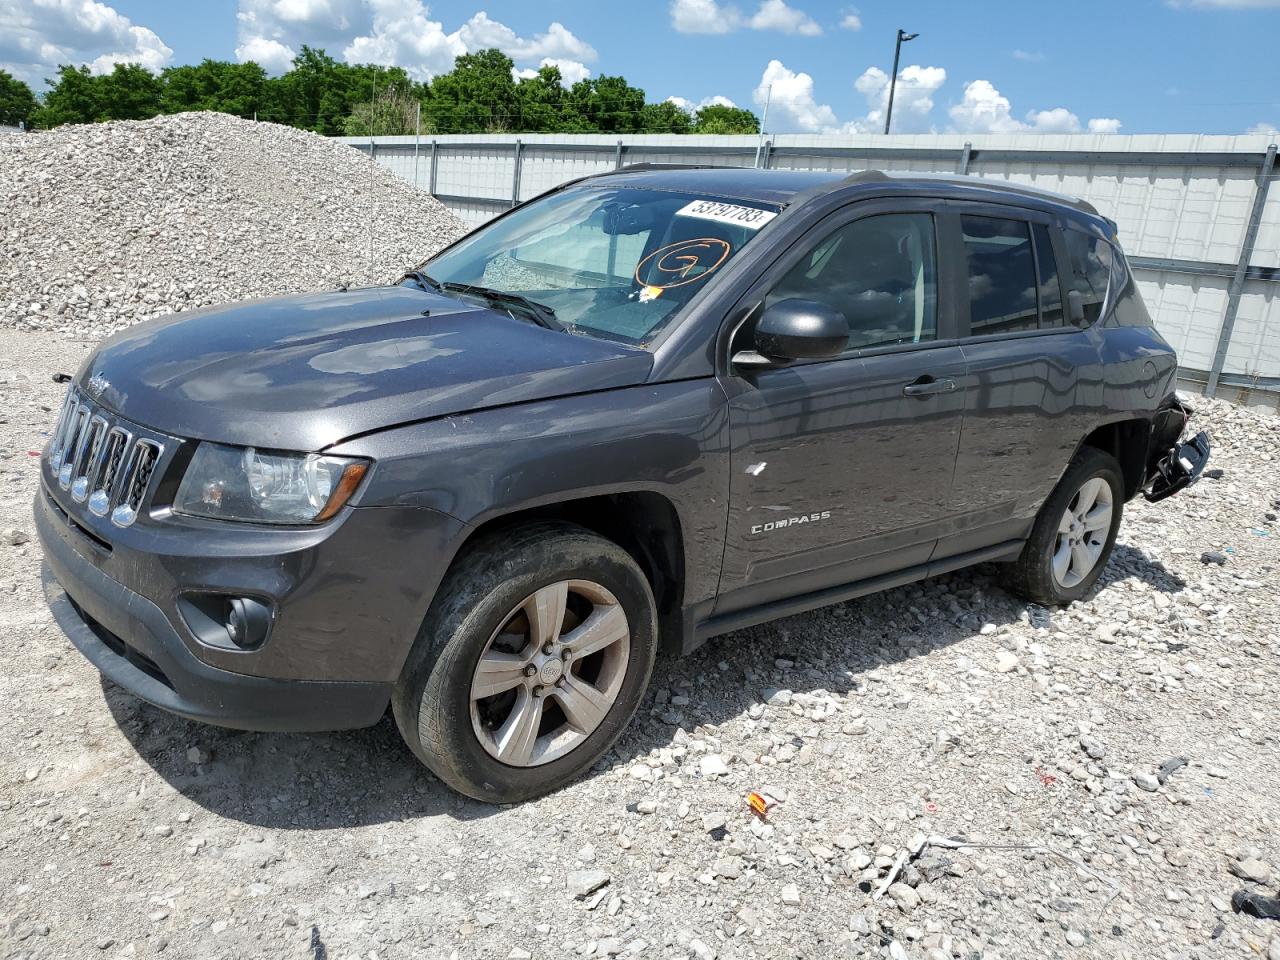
(87, 457)
(103, 460)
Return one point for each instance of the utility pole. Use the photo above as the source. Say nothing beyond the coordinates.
(768, 95)
(417, 134)
(903, 37)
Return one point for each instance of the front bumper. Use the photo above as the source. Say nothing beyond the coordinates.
(132, 643)
(348, 598)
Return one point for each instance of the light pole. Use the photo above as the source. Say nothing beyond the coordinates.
(903, 37)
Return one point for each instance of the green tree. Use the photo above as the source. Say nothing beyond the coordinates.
(607, 104)
(235, 88)
(718, 118)
(541, 102)
(17, 102)
(477, 96)
(392, 114)
(664, 117)
(75, 96)
(130, 92)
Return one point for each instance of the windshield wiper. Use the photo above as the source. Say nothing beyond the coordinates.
(422, 279)
(539, 313)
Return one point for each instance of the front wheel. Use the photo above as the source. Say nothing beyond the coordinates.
(1073, 534)
(530, 663)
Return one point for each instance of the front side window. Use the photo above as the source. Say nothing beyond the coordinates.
(613, 262)
(880, 272)
(1002, 275)
(1090, 258)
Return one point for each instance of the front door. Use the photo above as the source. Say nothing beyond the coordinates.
(842, 468)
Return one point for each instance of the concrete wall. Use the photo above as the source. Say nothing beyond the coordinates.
(1183, 204)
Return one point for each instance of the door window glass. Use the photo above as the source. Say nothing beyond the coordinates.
(880, 272)
(1051, 312)
(1090, 269)
(1002, 275)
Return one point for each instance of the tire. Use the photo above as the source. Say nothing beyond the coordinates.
(499, 602)
(1034, 575)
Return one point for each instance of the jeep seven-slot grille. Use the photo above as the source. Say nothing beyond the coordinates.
(102, 460)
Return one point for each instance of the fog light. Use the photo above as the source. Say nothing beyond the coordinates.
(226, 622)
(248, 622)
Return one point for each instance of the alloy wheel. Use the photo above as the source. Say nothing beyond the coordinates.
(550, 673)
(1082, 533)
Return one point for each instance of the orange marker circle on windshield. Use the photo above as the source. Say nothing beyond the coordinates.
(676, 261)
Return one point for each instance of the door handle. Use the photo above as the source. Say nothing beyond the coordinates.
(927, 386)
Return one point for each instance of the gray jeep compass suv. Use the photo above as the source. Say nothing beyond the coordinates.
(638, 411)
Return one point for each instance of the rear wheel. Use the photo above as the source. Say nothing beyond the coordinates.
(1073, 533)
(530, 663)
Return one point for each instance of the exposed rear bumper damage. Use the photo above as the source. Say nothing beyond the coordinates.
(1173, 464)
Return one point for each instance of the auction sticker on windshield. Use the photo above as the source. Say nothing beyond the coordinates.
(749, 217)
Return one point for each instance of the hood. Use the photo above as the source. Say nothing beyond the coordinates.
(303, 372)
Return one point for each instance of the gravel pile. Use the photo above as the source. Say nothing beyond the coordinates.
(1093, 782)
(104, 225)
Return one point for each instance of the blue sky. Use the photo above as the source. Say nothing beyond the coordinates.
(1133, 66)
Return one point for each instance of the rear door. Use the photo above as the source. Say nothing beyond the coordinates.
(841, 468)
(1033, 377)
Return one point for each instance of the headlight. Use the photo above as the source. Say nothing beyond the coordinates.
(243, 483)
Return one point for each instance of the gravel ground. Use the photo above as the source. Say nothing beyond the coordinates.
(945, 709)
(108, 224)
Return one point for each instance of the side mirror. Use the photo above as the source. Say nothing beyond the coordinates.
(1075, 307)
(796, 329)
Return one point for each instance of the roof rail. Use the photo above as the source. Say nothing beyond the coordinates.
(647, 165)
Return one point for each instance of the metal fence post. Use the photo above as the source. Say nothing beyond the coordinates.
(515, 174)
(965, 155)
(417, 136)
(431, 186)
(617, 157)
(766, 155)
(1242, 268)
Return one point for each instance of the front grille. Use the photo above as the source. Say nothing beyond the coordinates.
(101, 459)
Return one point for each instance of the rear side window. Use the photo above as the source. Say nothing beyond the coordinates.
(1049, 290)
(1090, 270)
(1002, 275)
(880, 272)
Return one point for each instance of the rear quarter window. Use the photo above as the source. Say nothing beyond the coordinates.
(1091, 262)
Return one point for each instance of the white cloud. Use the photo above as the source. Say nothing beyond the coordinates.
(1028, 56)
(703, 16)
(711, 16)
(402, 35)
(776, 15)
(272, 55)
(395, 33)
(571, 71)
(912, 98)
(985, 110)
(558, 43)
(851, 20)
(38, 35)
(792, 99)
(1269, 129)
(689, 107)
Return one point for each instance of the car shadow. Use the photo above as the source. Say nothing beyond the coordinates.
(289, 781)
(365, 777)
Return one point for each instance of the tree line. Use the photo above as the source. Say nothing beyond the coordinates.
(481, 94)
